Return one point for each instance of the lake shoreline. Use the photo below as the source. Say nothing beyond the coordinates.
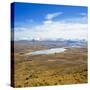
(47, 51)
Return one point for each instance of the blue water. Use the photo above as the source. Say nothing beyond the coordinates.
(48, 51)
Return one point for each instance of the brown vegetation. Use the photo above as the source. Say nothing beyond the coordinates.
(69, 67)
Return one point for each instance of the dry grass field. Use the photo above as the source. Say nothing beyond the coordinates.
(68, 67)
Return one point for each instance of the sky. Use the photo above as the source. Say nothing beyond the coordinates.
(49, 22)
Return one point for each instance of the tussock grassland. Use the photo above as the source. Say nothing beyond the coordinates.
(69, 67)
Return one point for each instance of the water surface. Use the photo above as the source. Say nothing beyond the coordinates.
(48, 51)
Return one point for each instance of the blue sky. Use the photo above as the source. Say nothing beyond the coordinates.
(44, 21)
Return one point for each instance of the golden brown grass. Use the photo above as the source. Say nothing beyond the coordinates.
(69, 67)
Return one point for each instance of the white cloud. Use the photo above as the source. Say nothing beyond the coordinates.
(20, 29)
(53, 15)
(83, 14)
(75, 28)
(47, 22)
(54, 31)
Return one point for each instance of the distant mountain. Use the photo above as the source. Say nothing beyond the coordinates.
(56, 43)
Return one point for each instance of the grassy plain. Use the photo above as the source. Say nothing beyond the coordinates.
(69, 67)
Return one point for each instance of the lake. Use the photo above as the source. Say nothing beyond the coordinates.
(47, 51)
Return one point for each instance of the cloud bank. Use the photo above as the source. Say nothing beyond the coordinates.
(72, 28)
